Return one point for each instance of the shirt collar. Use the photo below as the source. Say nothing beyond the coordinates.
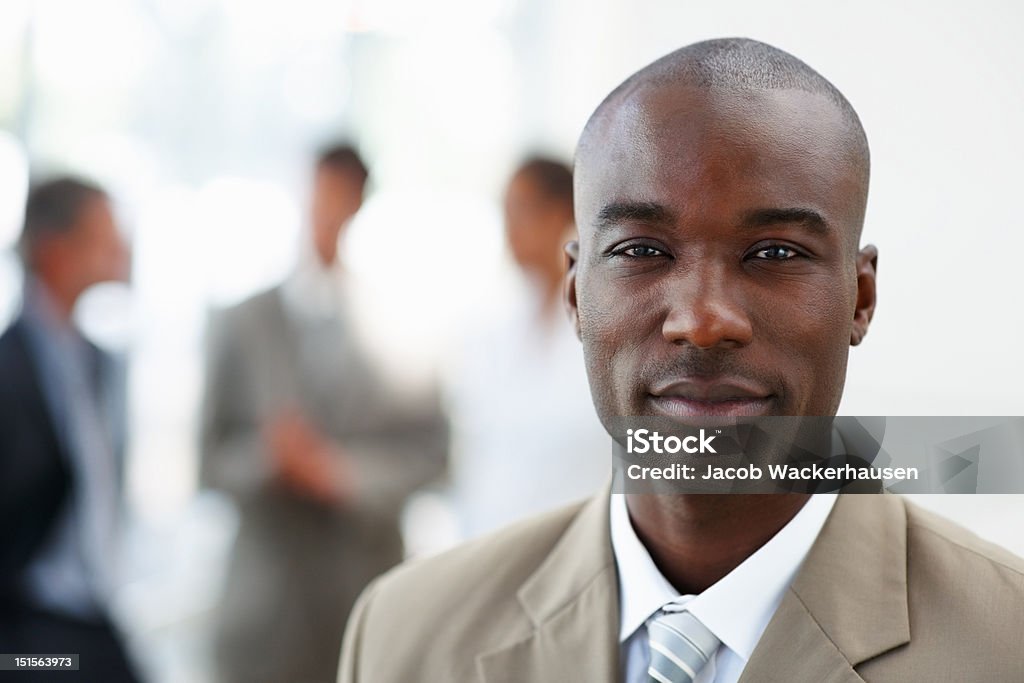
(315, 291)
(738, 607)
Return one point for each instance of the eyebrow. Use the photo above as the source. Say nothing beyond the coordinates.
(759, 218)
(658, 214)
(641, 212)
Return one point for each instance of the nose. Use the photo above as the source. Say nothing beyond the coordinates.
(706, 311)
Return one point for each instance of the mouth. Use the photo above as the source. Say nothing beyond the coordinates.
(714, 398)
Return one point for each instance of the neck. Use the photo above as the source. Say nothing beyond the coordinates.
(326, 260)
(696, 539)
(63, 293)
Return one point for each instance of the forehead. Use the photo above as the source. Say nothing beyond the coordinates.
(331, 177)
(523, 185)
(94, 222)
(707, 153)
(96, 211)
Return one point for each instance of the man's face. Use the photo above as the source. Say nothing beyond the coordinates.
(337, 196)
(535, 225)
(717, 270)
(95, 246)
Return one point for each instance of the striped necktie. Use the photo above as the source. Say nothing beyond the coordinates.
(680, 646)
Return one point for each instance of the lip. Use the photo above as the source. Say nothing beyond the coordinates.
(724, 397)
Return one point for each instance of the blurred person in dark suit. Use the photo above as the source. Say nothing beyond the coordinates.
(316, 449)
(542, 417)
(61, 440)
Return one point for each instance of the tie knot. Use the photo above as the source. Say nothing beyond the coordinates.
(680, 646)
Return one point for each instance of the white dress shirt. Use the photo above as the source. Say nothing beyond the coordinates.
(315, 292)
(736, 609)
(526, 437)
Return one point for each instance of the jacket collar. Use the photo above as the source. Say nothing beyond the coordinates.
(847, 604)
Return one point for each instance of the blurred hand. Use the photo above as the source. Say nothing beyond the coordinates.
(306, 461)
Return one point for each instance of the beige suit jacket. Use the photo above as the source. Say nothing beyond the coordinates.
(888, 592)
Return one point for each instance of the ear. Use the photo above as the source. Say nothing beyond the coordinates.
(867, 267)
(572, 253)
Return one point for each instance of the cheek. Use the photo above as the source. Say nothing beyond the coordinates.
(327, 209)
(812, 317)
(613, 329)
(809, 330)
(107, 261)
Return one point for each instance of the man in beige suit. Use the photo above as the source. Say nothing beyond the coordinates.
(317, 449)
(720, 194)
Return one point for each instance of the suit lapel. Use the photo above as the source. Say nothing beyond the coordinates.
(794, 648)
(848, 602)
(572, 601)
(26, 374)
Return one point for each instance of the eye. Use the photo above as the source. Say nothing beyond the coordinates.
(638, 251)
(776, 252)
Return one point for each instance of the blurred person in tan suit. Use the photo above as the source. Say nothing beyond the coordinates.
(518, 394)
(720, 197)
(316, 449)
(62, 441)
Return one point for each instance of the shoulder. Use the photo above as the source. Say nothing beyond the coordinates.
(956, 549)
(961, 588)
(11, 338)
(259, 307)
(461, 601)
(950, 550)
(260, 302)
(493, 566)
(14, 355)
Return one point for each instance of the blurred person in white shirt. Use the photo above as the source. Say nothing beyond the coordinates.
(525, 434)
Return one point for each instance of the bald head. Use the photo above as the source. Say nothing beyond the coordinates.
(719, 199)
(739, 68)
